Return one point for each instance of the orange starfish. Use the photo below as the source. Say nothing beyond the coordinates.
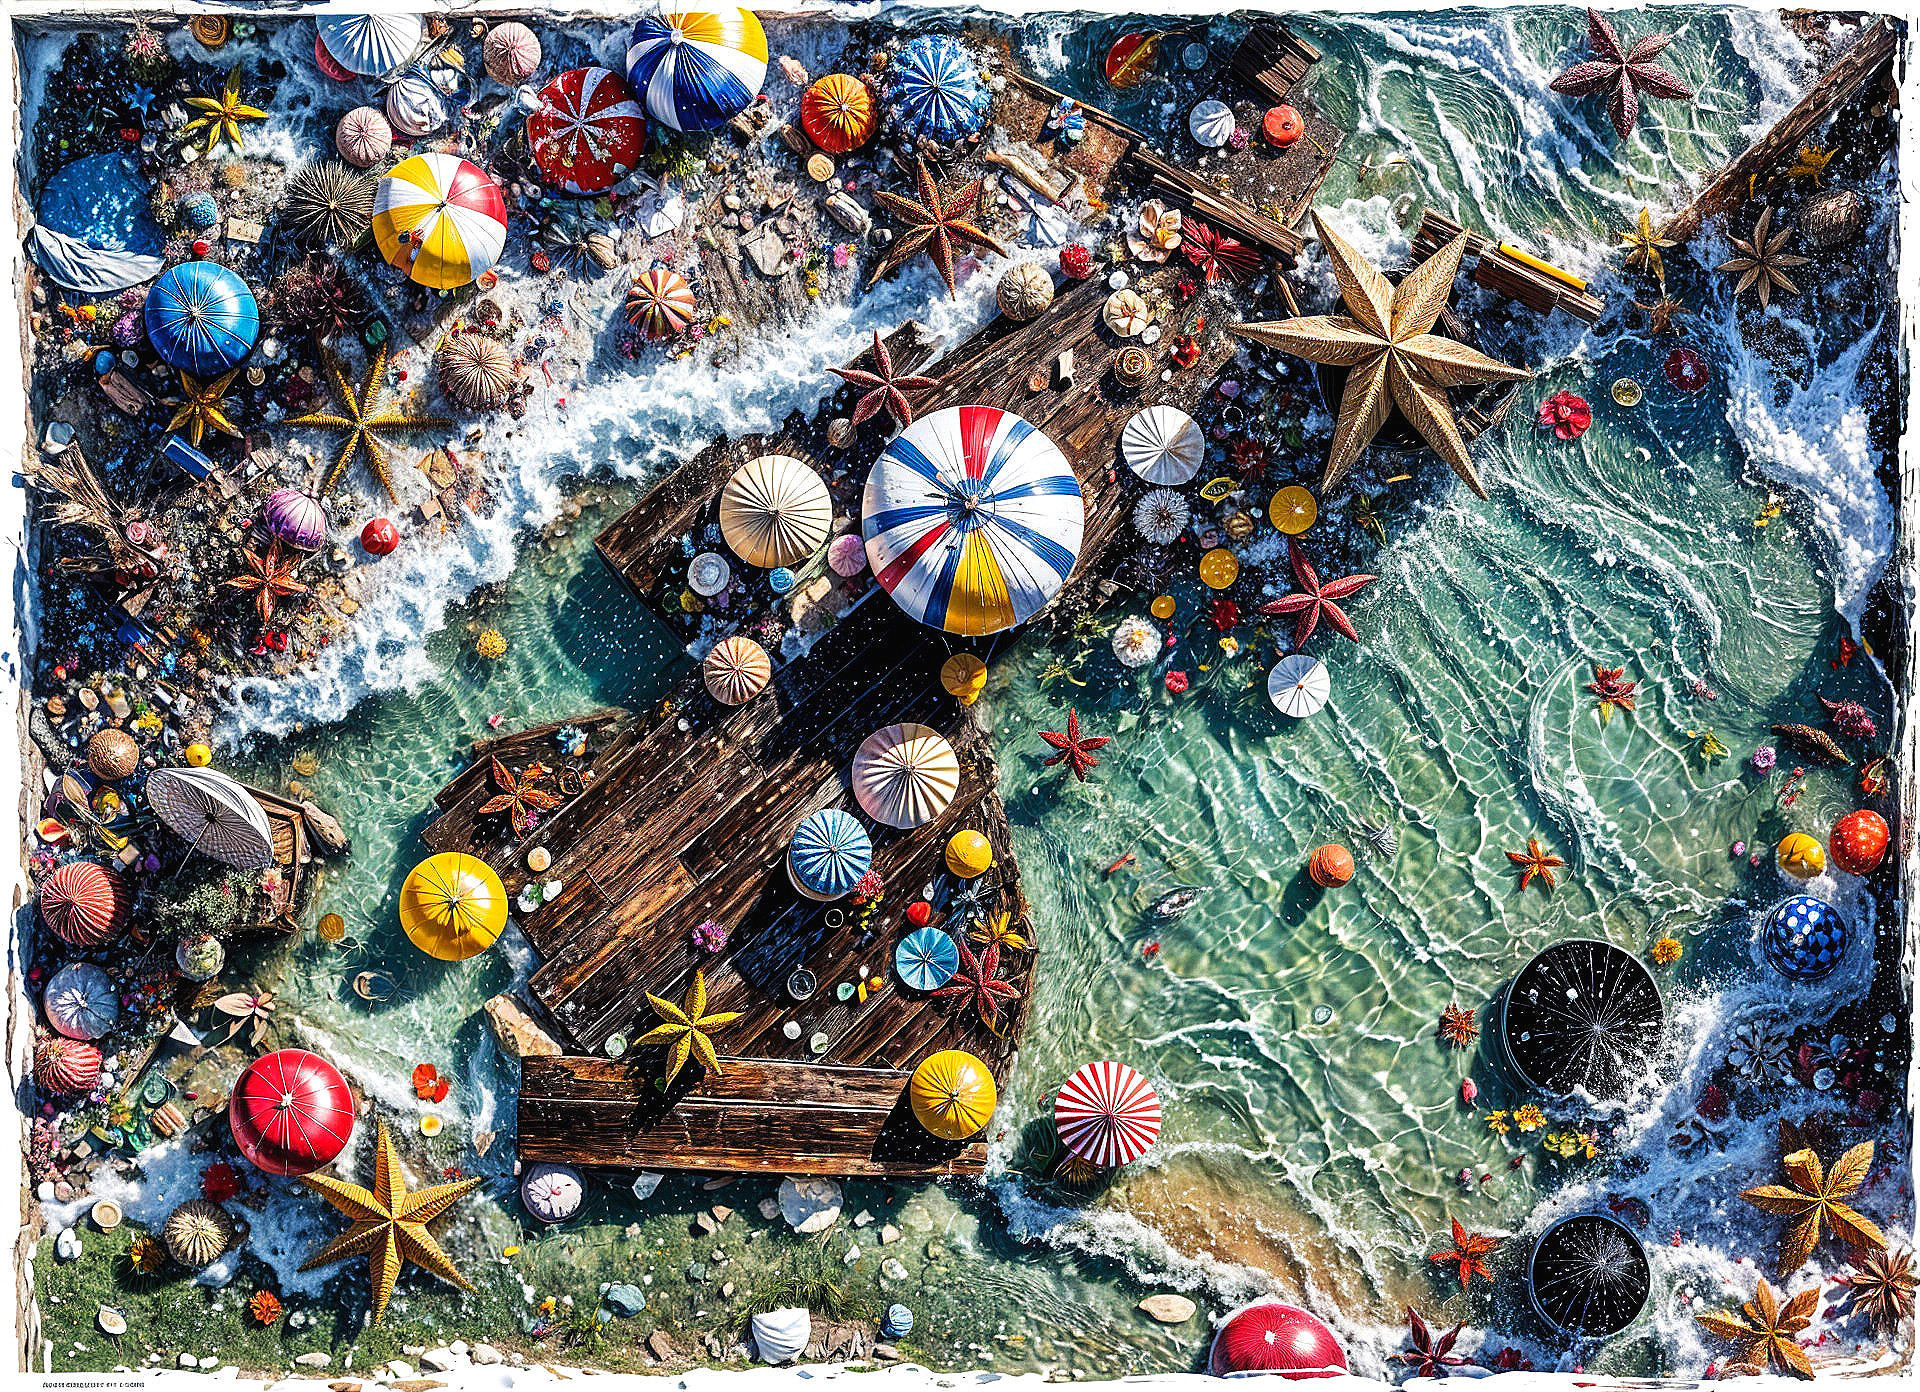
(935, 223)
(1536, 862)
(1469, 1252)
(1457, 1027)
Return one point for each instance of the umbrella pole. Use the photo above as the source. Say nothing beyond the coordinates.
(192, 846)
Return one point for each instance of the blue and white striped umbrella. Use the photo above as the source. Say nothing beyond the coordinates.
(829, 853)
(694, 68)
(926, 959)
(972, 519)
(201, 318)
(934, 89)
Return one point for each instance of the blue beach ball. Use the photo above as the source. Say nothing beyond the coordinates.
(1804, 938)
(898, 1323)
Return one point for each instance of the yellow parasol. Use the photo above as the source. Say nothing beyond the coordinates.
(952, 1094)
(453, 906)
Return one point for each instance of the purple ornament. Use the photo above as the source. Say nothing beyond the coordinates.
(297, 518)
(1764, 759)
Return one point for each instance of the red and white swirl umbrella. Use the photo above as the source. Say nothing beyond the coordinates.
(1107, 1114)
(588, 132)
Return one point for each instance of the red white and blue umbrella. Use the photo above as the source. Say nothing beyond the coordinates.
(972, 519)
(696, 68)
(1107, 1114)
(589, 131)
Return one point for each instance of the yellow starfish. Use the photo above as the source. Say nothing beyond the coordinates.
(200, 408)
(364, 420)
(1644, 248)
(389, 1224)
(687, 1027)
(223, 115)
(1002, 932)
(1811, 163)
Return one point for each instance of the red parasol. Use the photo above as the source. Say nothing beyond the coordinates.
(83, 903)
(1107, 1114)
(291, 1112)
(1269, 1337)
(588, 132)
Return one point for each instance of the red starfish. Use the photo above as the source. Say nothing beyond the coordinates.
(1469, 1252)
(883, 387)
(1213, 253)
(1607, 684)
(1076, 753)
(1537, 862)
(979, 981)
(1457, 1027)
(1622, 74)
(1315, 600)
(934, 224)
(519, 797)
(269, 578)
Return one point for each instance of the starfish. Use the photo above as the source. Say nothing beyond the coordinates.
(1764, 1330)
(1469, 1253)
(1076, 752)
(200, 408)
(364, 420)
(1811, 163)
(1536, 862)
(1644, 248)
(1611, 690)
(1315, 600)
(1621, 73)
(1000, 932)
(1881, 1286)
(1661, 313)
(518, 796)
(221, 116)
(1214, 253)
(1392, 357)
(935, 224)
(687, 1028)
(389, 1223)
(883, 387)
(1430, 1356)
(1761, 264)
(269, 578)
(978, 981)
(1457, 1027)
(1813, 1198)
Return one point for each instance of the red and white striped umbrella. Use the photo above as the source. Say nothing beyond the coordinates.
(1107, 1114)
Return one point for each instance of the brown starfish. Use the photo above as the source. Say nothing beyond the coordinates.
(1537, 862)
(1661, 313)
(1076, 751)
(1457, 1027)
(1763, 1332)
(269, 578)
(935, 224)
(1881, 1287)
(1623, 74)
(1813, 1198)
(1469, 1252)
(978, 981)
(518, 796)
(1761, 265)
(1316, 600)
(883, 387)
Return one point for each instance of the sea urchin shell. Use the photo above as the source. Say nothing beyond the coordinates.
(329, 203)
(63, 1065)
(476, 371)
(1161, 516)
(197, 1233)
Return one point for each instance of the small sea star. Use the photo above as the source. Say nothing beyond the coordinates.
(978, 981)
(883, 387)
(1316, 600)
(1457, 1027)
(1076, 751)
(1623, 74)
(1537, 862)
(268, 577)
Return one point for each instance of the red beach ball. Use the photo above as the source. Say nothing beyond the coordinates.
(1859, 841)
(1282, 126)
(291, 1112)
(1271, 1337)
(379, 537)
(1330, 866)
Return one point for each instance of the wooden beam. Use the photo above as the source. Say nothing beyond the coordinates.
(1506, 274)
(1870, 54)
(1272, 60)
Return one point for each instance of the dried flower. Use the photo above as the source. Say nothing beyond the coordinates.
(1500, 1123)
(1666, 951)
(707, 936)
(1764, 759)
(264, 1307)
(1529, 1117)
(1566, 414)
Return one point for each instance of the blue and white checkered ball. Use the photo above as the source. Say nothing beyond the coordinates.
(898, 1323)
(1804, 938)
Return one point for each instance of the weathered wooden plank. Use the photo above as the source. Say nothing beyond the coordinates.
(1507, 275)
(1272, 60)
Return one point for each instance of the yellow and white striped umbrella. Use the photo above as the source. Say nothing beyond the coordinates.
(440, 219)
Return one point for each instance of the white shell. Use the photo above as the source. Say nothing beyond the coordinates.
(1299, 685)
(1025, 291)
(415, 106)
(1211, 123)
(780, 1336)
(736, 671)
(80, 1001)
(1163, 446)
(1135, 641)
(708, 573)
(1161, 516)
(552, 1193)
(1126, 313)
(363, 136)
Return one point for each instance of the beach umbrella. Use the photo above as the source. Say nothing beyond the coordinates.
(94, 229)
(736, 671)
(453, 906)
(371, 45)
(1299, 685)
(837, 113)
(927, 958)
(696, 68)
(415, 106)
(440, 219)
(588, 132)
(905, 775)
(972, 519)
(1107, 1114)
(952, 1094)
(775, 511)
(83, 903)
(934, 90)
(291, 1112)
(1269, 1336)
(660, 303)
(201, 318)
(214, 814)
(1162, 445)
(829, 853)
(80, 1001)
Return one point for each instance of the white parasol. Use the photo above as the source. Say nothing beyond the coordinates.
(1299, 685)
(905, 775)
(216, 815)
(1163, 446)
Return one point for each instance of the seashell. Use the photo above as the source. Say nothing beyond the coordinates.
(552, 1193)
(113, 754)
(1161, 516)
(1238, 526)
(83, 903)
(80, 1001)
(296, 517)
(840, 432)
(1211, 123)
(111, 1321)
(1384, 838)
(603, 249)
(847, 556)
(709, 573)
(1135, 641)
(1126, 313)
(197, 1233)
(65, 1066)
(363, 137)
(538, 859)
(1025, 291)
(1133, 367)
(1832, 219)
(736, 671)
(107, 1215)
(476, 371)
(510, 53)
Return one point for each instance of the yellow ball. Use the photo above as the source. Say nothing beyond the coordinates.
(198, 756)
(952, 1094)
(1162, 606)
(1800, 855)
(964, 676)
(969, 855)
(1293, 509)
(1219, 568)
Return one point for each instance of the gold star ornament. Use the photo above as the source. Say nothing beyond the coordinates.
(201, 407)
(1393, 358)
(389, 1223)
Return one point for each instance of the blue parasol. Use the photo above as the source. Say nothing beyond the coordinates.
(201, 318)
(829, 853)
(95, 233)
(934, 89)
(926, 959)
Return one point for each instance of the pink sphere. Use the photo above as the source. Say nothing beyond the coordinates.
(1271, 1337)
(847, 555)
